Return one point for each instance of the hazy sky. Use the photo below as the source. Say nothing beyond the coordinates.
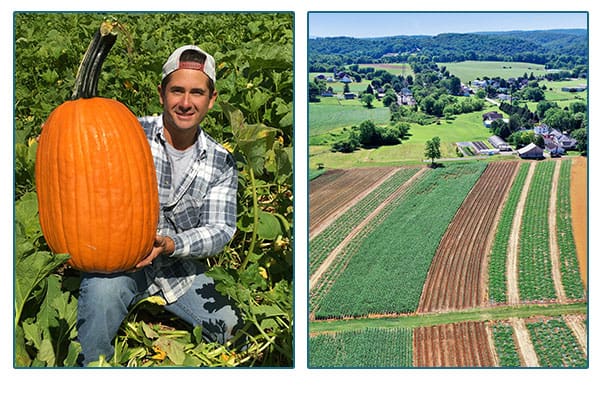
(376, 24)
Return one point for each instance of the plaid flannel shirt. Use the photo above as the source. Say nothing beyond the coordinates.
(199, 215)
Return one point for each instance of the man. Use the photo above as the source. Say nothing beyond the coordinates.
(197, 185)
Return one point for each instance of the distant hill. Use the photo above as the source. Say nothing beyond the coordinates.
(557, 48)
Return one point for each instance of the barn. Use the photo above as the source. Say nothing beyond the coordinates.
(531, 151)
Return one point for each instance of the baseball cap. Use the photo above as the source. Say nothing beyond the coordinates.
(173, 63)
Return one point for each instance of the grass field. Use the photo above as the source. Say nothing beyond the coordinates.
(470, 70)
(338, 87)
(333, 114)
(465, 127)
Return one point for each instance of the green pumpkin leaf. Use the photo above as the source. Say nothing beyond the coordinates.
(268, 226)
(173, 348)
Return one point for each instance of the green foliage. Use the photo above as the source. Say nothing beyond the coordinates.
(369, 135)
(504, 342)
(498, 256)
(367, 100)
(253, 118)
(432, 149)
(44, 315)
(366, 348)
(535, 265)
(555, 344)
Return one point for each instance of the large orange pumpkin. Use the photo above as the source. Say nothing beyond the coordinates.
(95, 176)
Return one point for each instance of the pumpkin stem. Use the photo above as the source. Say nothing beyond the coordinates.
(86, 82)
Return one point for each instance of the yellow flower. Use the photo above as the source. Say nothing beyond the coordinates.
(159, 354)
(263, 272)
(228, 147)
(156, 300)
(281, 243)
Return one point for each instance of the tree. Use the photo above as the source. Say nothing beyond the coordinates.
(369, 134)
(432, 149)
(313, 92)
(390, 98)
(582, 140)
(367, 99)
(346, 88)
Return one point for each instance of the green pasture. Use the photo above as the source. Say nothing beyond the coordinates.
(471, 70)
(554, 91)
(331, 114)
(338, 87)
(464, 127)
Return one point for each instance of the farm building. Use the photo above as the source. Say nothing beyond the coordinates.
(579, 88)
(531, 151)
(492, 116)
(499, 143)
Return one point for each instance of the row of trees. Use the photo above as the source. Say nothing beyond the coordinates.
(368, 135)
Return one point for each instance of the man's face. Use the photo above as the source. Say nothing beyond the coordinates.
(186, 100)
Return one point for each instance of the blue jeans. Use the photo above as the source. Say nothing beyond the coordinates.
(104, 301)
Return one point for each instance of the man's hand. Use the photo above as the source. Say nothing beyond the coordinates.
(162, 245)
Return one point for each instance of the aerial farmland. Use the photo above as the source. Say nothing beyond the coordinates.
(467, 264)
(470, 255)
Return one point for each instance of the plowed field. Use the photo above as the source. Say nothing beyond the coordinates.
(462, 344)
(335, 191)
(456, 276)
(579, 210)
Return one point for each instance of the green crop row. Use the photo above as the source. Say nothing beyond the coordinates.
(497, 262)
(367, 348)
(535, 265)
(555, 344)
(386, 271)
(322, 244)
(508, 355)
(570, 274)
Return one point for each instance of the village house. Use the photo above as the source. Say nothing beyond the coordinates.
(555, 141)
(490, 117)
